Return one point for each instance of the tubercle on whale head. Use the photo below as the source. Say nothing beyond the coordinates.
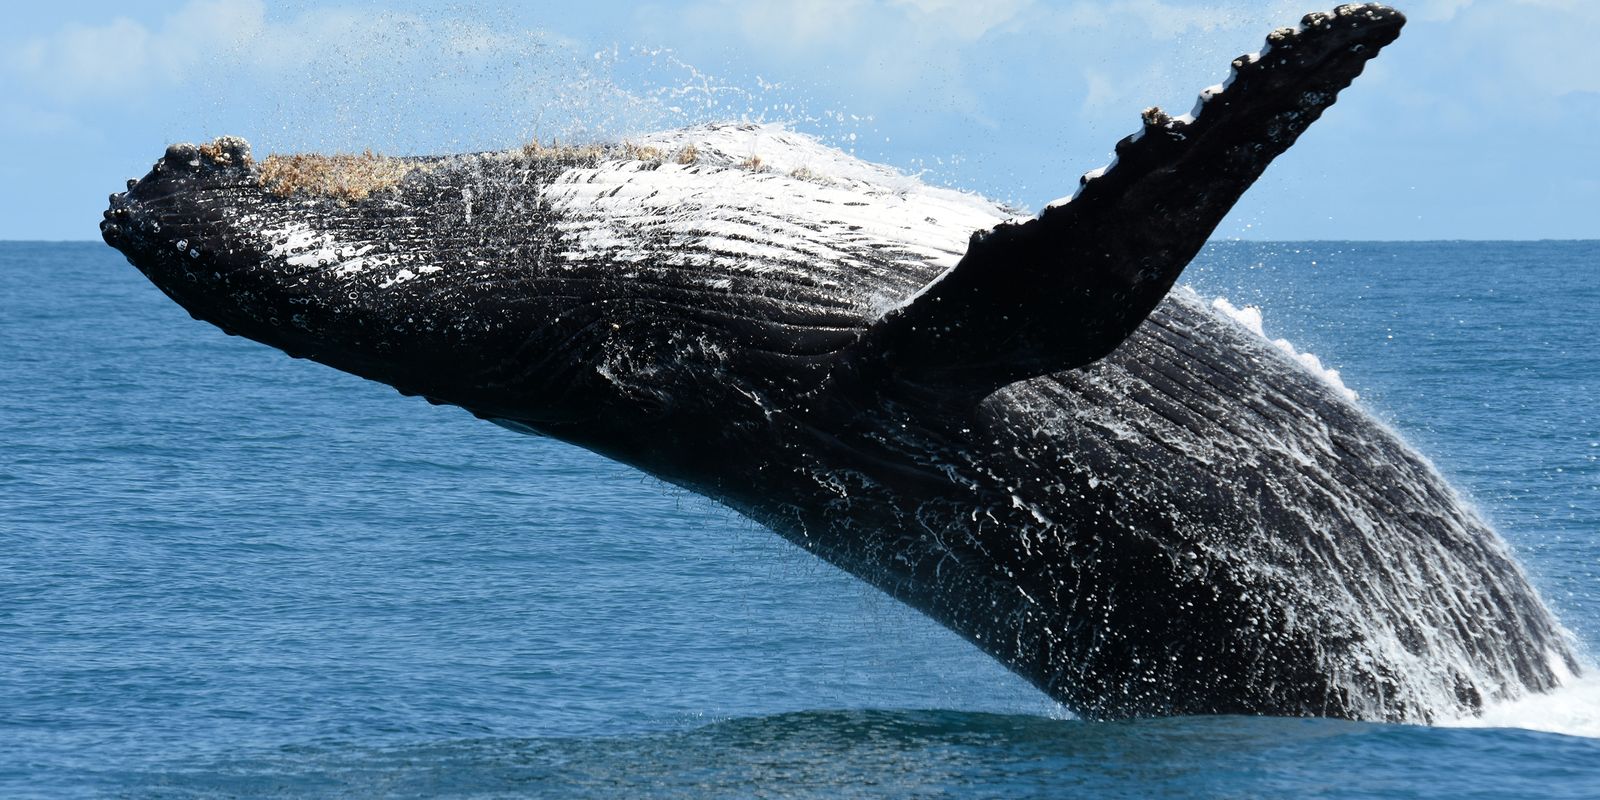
(158, 223)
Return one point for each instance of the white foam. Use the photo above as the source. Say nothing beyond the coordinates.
(1572, 710)
(1250, 317)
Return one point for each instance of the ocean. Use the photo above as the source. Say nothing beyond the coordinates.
(227, 573)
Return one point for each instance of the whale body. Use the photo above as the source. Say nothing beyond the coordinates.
(1015, 426)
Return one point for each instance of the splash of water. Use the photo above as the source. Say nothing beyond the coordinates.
(1250, 318)
(1572, 710)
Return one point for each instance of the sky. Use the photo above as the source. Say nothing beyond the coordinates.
(1481, 122)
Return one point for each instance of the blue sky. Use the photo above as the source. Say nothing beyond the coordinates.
(1482, 122)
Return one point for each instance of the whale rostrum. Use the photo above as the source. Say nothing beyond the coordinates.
(1019, 428)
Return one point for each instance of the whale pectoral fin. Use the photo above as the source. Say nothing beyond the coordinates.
(1065, 289)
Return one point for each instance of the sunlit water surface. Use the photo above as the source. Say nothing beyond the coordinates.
(224, 572)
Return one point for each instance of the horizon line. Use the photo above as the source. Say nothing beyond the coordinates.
(1227, 240)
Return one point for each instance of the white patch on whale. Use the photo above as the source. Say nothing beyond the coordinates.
(300, 245)
(807, 211)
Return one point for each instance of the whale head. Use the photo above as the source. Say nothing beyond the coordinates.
(461, 279)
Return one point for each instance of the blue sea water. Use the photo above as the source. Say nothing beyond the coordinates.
(227, 573)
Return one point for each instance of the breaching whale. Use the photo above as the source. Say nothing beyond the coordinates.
(1016, 427)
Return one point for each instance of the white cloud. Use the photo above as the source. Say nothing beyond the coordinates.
(787, 26)
(1552, 48)
(963, 19)
(797, 24)
(43, 123)
(361, 72)
(124, 55)
(1514, 53)
(1135, 53)
(334, 77)
(902, 47)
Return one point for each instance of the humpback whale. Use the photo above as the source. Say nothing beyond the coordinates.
(1017, 427)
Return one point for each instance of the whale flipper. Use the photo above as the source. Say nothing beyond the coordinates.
(1064, 289)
